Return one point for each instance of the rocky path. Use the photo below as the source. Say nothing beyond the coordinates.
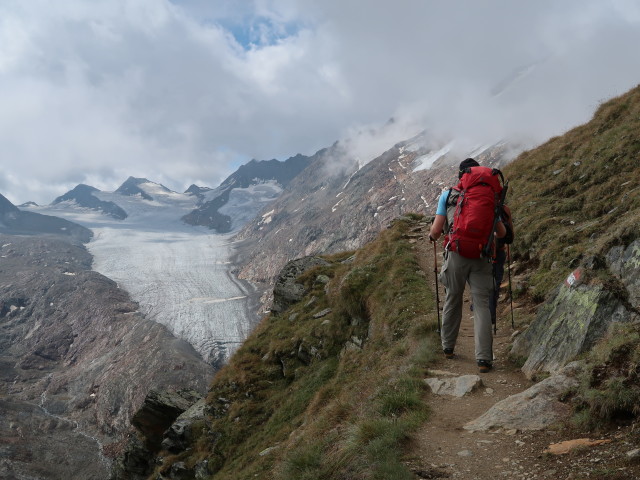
(443, 448)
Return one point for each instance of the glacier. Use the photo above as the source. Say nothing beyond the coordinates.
(180, 275)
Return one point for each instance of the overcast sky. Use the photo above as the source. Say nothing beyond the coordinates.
(184, 91)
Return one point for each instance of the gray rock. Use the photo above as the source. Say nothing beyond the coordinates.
(267, 451)
(135, 463)
(634, 453)
(159, 411)
(577, 314)
(322, 313)
(179, 471)
(286, 290)
(625, 263)
(534, 409)
(202, 470)
(457, 387)
(181, 432)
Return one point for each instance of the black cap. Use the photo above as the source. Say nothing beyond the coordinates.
(467, 163)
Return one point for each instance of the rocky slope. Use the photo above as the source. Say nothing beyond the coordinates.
(578, 207)
(77, 360)
(336, 204)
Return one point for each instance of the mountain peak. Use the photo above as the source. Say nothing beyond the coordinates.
(83, 196)
(196, 190)
(6, 206)
(79, 191)
(131, 187)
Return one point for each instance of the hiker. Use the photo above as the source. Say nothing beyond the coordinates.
(457, 270)
(501, 256)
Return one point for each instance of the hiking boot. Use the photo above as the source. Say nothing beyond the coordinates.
(484, 366)
(448, 353)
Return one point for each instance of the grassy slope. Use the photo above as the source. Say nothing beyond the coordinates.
(577, 195)
(304, 385)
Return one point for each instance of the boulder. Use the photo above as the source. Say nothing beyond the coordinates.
(287, 290)
(578, 313)
(181, 433)
(534, 409)
(159, 411)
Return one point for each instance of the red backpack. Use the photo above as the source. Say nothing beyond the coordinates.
(476, 213)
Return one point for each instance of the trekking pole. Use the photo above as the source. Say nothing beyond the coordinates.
(513, 326)
(494, 302)
(435, 272)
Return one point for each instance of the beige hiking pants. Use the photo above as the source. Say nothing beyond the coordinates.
(456, 272)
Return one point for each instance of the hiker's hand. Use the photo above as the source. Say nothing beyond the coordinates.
(431, 239)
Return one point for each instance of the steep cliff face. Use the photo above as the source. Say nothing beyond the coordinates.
(77, 360)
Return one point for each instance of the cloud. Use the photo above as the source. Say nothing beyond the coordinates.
(182, 92)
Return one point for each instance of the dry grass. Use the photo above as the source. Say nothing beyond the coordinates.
(577, 195)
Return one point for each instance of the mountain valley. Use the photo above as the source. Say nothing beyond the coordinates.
(115, 302)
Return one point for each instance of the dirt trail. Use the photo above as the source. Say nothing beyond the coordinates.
(443, 449)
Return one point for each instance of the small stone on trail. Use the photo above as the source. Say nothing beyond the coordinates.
(465, 453)
(457, 387)
(634, 453)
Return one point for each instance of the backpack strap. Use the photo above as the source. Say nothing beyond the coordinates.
(451, 202)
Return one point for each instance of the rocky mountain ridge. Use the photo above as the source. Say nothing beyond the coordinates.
(16, 221)
(210, 213)
(82, 195)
